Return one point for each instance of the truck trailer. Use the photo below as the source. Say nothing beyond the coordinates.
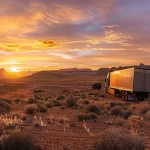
(131, 83)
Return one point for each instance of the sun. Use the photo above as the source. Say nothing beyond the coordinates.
(14, 69)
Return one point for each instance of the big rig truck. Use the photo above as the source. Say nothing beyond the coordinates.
(131, 83)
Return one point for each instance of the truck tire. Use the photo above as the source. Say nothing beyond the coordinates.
(123, 94)
(126, 96)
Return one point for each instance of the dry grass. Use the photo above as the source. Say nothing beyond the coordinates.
(117, 139)
(135, 123)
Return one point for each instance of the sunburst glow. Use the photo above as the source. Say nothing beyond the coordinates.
(14, 69)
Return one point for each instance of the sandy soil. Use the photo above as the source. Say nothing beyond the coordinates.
(56, 135)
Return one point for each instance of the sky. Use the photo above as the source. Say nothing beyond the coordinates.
(53, 34)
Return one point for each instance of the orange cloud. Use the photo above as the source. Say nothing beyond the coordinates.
(45, 43)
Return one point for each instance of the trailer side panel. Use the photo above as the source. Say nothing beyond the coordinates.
(147, 81)
(139, 80)
(122, 79)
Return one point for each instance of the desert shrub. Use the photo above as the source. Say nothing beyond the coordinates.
(115, 103)
(119, 121)
(23, 117)
(9, 101)
(83, 96)
(42, 108)
(148, 115)
(117, 139)
(1, 128)
(70, 101)
(14, 115)
(18, 141)
(72, 123)
(102, 95)
(92, 108)
(17, 101)
(31, 109)
(86, 102)
(37, 124)
(126, 113)
(55, 103)
(107, 106)
(4, 106)
(48, 105)
(105, 112)
(143, 109)
(91, 93)
(116, 110)
(95, 98)
(61, 97)
(36, 97)
(120, 111)
(85, 116)
(31, 101)
(39, 91)
(133, 107)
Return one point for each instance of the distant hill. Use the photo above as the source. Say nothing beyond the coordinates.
(77, 72)
(46, 74)
(63, 73)
(104, 71)
(3, 73)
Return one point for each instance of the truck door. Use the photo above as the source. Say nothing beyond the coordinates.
(139, 76)
(147, 81)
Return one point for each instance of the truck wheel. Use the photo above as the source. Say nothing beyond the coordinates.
(126, 96)
(123, 95)
(106, 90)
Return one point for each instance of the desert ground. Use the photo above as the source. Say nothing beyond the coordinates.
(66, 114)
